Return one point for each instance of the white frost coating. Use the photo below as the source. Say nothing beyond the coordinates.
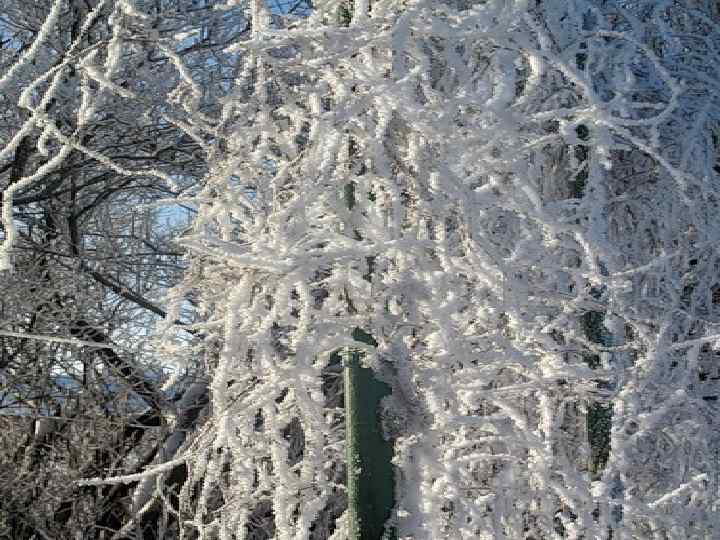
(128, 6)
(693, 485)
(7, 208)
(143, 494)
(42, 36)
(130, 478)
(39, 117)
(520, 247)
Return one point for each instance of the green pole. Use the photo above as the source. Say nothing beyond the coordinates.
(370, 475)
(599, 416)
